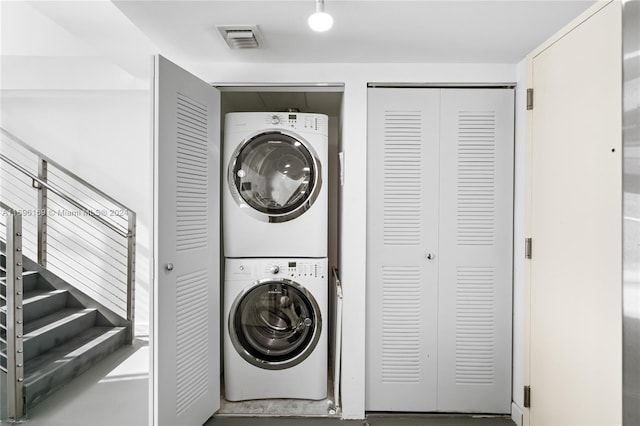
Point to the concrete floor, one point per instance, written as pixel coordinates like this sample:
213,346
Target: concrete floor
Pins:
113,393
372,420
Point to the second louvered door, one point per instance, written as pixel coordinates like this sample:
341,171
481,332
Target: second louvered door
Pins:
439,250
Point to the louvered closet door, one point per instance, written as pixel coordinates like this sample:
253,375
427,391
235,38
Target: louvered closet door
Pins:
186,311
475,256
439,250
402,221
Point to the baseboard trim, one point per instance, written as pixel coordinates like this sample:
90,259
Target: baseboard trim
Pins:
516,414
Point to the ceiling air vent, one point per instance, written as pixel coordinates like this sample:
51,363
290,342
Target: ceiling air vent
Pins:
241,36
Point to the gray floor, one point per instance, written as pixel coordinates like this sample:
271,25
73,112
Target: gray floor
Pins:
372,420
112,393
276,407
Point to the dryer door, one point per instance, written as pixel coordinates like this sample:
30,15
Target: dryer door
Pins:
275,175
275,324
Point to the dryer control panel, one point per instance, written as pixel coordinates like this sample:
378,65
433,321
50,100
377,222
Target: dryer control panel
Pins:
297,121
300,122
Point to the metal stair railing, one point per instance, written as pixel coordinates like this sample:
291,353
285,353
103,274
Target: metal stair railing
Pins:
11,326
73,229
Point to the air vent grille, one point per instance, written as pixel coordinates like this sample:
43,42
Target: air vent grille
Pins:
241,37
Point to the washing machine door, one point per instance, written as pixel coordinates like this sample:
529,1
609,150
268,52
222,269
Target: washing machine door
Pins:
274,176
275,324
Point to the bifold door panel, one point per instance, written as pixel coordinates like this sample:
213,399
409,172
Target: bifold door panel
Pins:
402,217
475,250
439,260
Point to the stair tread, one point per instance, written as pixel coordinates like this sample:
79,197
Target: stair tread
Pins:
56,319
65,353
36,295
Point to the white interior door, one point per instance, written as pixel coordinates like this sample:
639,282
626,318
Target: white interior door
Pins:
402,271
575,283
185,334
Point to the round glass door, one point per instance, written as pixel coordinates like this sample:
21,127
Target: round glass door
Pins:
275,324
276,174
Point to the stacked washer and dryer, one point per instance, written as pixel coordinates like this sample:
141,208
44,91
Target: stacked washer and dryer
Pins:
275,224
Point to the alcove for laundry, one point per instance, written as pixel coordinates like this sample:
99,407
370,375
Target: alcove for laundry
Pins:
291,100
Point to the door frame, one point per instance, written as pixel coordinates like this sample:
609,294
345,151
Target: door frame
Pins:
630,211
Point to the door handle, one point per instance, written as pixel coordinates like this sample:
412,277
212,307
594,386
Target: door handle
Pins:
169,267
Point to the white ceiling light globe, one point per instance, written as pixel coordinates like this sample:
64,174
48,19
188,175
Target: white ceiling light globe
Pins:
320,21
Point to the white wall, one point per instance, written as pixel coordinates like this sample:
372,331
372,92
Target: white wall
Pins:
103,137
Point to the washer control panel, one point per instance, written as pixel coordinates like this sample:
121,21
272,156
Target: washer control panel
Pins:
290,268
287,268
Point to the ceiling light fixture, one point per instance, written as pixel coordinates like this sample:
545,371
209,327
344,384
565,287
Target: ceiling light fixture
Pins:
321,20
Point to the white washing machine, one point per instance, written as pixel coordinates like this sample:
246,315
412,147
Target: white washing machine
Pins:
275,332
275,201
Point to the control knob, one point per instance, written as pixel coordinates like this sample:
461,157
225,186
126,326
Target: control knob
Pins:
275,269
275,119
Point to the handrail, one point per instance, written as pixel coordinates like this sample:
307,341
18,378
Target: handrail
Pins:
68,199
12,306
63,169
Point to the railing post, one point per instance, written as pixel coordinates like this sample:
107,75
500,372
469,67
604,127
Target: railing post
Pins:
42,213
15,356
131,273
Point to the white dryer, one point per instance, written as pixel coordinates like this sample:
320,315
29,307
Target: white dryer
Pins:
275,201
275,333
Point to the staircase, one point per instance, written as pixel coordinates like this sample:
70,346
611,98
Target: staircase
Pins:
73,255
65,331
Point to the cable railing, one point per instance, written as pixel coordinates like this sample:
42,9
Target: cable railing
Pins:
69,226
11,321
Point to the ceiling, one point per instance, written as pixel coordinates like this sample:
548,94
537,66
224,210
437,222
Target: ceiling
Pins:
448,31
100,44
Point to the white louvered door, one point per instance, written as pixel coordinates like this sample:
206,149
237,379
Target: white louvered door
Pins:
439,252
475,255
402,220
185,335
